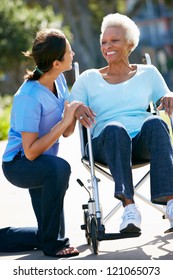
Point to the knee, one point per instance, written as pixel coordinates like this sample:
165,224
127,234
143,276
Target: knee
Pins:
58,175
154,123
116,130
59,166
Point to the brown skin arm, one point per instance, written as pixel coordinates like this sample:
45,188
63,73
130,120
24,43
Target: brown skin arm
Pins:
34,146
166,103
70,129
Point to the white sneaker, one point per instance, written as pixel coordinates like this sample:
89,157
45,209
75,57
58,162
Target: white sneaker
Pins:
131,219
169,211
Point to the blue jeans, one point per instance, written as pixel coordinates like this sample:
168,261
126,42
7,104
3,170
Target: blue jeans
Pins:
19,239
117,150
47,179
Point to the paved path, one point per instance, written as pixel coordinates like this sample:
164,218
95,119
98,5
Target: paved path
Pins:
153,244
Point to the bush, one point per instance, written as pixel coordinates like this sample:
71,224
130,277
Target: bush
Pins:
5,108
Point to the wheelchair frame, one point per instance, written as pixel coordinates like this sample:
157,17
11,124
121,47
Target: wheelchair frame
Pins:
93,221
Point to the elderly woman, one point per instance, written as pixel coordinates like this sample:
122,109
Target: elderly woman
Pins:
122,129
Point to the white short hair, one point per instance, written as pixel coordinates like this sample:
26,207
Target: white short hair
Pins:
131,30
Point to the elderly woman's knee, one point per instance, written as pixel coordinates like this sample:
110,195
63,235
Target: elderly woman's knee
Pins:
154,122
116,129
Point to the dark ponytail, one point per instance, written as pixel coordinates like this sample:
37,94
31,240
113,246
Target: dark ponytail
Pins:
49,45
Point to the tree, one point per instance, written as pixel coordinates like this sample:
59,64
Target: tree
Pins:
84,18
80,20
19,24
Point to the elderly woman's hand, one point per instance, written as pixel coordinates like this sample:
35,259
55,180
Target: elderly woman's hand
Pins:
166,103
85,115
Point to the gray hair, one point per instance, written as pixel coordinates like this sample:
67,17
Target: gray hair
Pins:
132,32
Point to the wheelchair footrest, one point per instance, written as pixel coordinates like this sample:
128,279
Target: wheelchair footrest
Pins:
83,227
169,230
112,236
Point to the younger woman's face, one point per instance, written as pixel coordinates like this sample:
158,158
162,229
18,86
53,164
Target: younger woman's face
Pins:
68,57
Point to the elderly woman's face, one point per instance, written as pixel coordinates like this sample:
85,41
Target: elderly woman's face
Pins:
114,45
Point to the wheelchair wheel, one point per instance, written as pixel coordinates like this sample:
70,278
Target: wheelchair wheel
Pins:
94,232
86,223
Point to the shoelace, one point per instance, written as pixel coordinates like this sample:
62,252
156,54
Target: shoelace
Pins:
129,215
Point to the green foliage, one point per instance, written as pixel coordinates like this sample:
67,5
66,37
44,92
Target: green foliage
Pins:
169,3
5,108
19,24
99,9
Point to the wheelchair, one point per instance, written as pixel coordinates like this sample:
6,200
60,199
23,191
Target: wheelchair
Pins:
94,222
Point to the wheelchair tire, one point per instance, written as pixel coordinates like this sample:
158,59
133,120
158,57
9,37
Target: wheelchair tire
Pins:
94,233
87,225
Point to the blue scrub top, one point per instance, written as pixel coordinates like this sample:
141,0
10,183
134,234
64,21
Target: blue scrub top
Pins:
35,109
